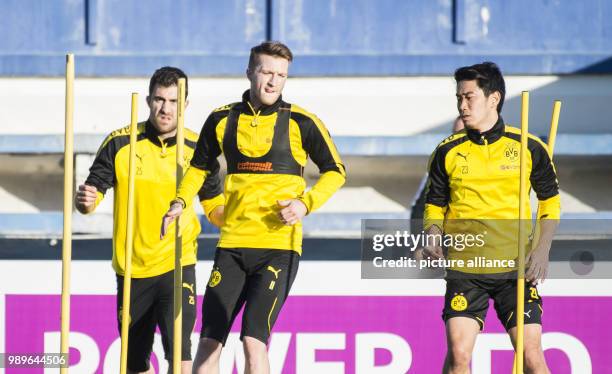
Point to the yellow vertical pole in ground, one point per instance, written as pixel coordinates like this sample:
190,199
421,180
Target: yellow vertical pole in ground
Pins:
552,137
129,241
522,238
178,248
67,234
554,123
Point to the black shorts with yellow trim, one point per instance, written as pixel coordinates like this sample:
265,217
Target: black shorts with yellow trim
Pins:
467,295
152,305
258,279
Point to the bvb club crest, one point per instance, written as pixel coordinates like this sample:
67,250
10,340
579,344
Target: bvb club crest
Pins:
215,278
511,152
459,303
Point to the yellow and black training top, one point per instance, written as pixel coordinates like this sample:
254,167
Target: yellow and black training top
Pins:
266,153
155,186
474,186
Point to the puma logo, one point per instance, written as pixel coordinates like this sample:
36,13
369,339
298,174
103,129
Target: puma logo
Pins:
139,157
527,313
189,287
462,155
274,271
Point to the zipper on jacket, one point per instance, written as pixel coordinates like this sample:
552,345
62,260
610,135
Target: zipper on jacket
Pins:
254,123
486,144
163,147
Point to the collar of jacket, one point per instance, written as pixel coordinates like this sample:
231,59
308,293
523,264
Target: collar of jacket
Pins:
491,135
265,110
152,134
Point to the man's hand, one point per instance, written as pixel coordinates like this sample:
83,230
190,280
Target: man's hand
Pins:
292,211
434,250
85,200
176,209
537,264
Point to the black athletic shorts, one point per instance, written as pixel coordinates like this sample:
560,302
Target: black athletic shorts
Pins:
152,304
260,279
468,296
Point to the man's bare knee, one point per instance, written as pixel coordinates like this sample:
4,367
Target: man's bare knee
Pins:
534,359
461,335
256,355
207,356
459,357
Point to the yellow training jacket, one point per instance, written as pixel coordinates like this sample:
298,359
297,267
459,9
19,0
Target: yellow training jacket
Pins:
265,154
155,186
473,187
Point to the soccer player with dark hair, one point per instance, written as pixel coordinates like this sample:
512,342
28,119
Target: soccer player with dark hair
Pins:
266,142
474,182
152,289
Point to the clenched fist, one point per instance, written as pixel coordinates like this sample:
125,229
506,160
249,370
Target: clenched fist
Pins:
85,200
292,211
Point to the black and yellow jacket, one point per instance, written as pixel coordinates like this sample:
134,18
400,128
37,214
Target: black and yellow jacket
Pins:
155,185
475,177
265,153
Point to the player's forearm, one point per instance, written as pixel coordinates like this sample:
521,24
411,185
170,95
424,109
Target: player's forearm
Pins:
547,232
191,184
327,185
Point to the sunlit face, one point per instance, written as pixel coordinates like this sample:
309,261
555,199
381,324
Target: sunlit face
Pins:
268,78
163,104
477,111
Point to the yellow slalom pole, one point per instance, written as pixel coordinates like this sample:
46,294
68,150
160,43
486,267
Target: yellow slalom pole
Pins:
178,247
523,199
129,241
554,123
67,234
552,136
